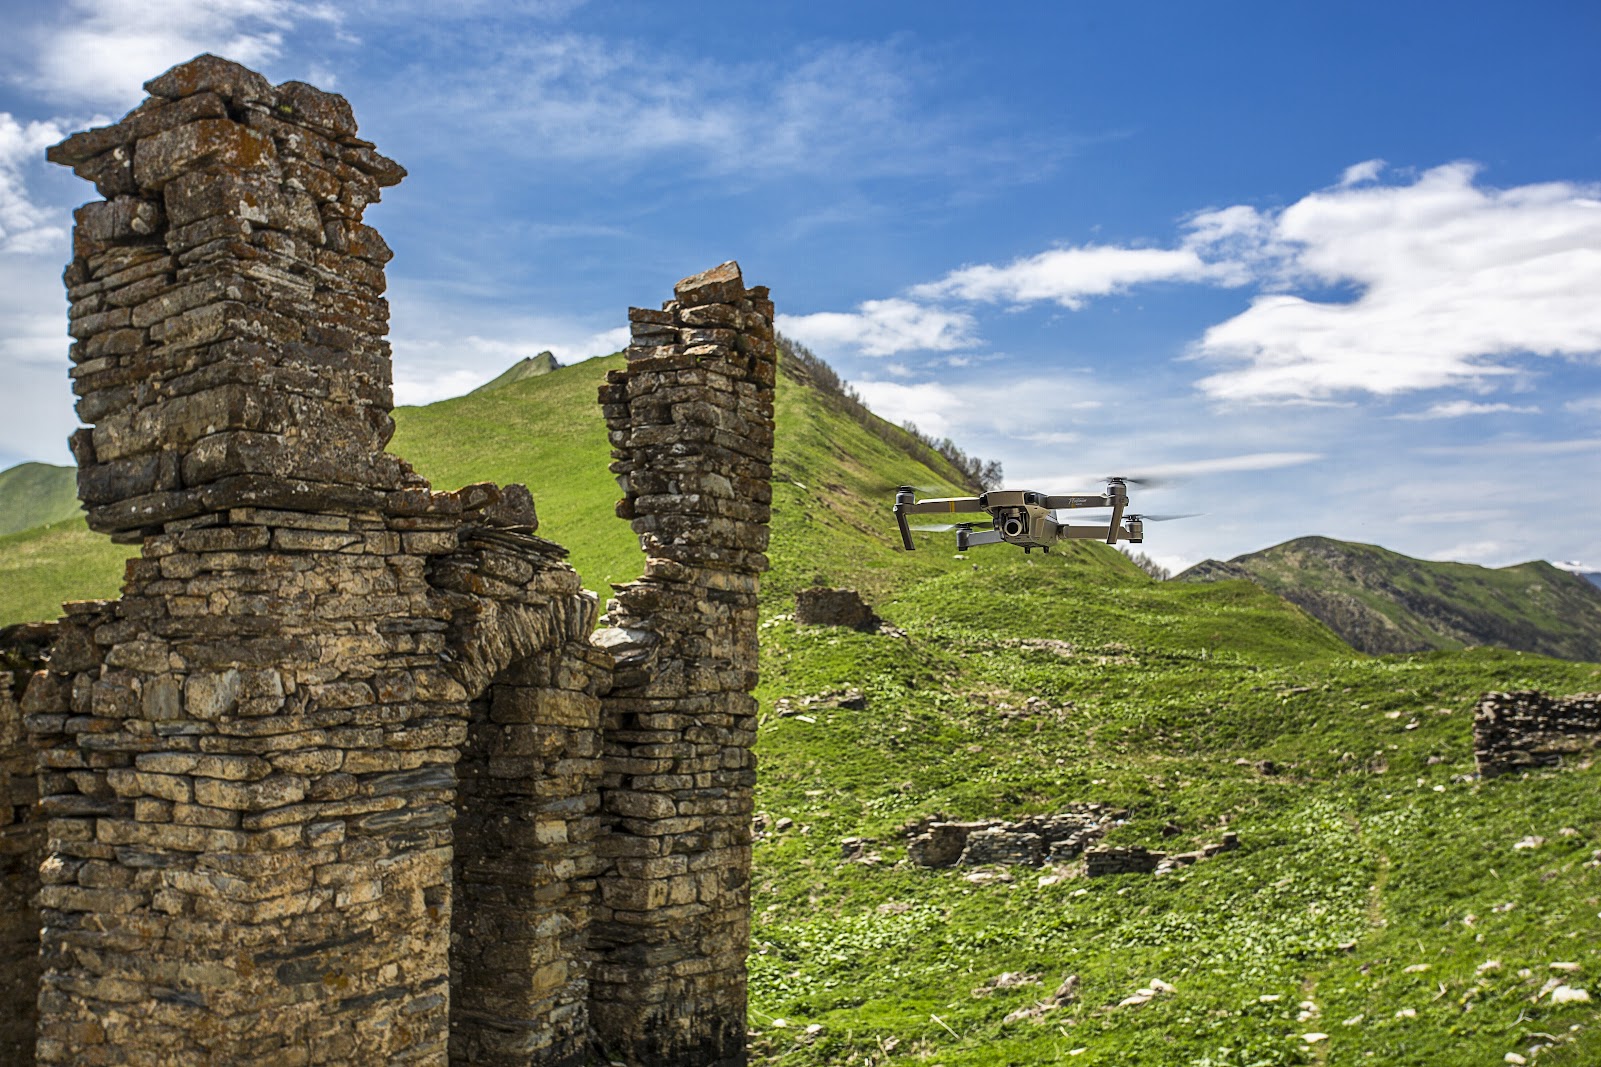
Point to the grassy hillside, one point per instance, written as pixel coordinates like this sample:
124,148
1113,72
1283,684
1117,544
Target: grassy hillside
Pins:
1381,601
36,494
42,567
1375,913
834,478
836,469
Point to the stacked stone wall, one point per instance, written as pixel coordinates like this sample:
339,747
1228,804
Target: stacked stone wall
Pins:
691,424
1524,729
22,840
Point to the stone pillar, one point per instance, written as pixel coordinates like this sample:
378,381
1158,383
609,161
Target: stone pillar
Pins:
691,424
249,760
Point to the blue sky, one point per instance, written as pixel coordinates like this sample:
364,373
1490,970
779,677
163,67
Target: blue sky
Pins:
1338,266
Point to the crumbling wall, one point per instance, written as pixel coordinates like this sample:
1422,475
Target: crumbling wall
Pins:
1524,729
258,827
691,424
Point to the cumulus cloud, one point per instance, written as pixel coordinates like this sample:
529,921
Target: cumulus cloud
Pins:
1456,409
100,52
1454,280
883,328
24,225
1066,276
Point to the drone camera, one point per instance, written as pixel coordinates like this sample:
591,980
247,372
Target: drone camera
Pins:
1013,523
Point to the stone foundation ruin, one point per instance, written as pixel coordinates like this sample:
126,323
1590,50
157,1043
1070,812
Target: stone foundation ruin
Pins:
1526,729
347,774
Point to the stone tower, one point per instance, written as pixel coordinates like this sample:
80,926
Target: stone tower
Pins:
337,780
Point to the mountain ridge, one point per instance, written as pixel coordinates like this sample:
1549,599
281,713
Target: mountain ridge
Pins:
1381,601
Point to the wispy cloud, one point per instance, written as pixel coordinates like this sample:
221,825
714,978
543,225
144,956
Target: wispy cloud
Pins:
1012,407
1456,409
1502,447
883,328
841,110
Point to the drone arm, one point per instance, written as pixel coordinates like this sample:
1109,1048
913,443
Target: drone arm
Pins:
1115,527
906,532
1102,500
1110,534
944,505
906,505
967,538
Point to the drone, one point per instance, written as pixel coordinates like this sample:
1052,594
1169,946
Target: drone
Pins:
1025,518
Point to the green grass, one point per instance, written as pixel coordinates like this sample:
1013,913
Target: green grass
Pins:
42,567
1360,857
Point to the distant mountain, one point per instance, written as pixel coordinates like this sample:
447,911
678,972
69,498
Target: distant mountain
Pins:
1381,601
522,370
33,494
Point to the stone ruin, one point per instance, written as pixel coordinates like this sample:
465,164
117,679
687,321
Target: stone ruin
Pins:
347,774
1040,841
818,606
1033,841
1100,862
1526,729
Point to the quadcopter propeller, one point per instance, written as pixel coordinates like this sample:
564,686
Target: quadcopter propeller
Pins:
1133,515
1147,481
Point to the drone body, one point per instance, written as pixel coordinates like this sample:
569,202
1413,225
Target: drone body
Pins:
1023,517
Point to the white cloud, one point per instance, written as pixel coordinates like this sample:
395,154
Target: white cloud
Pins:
33,353
1454,281
1456,409
1361,173
24,225
883,328
1584,404
1029,409
1067,276
100,52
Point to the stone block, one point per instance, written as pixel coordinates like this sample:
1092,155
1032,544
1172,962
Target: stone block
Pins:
218,142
